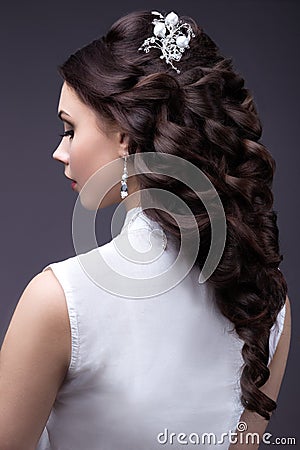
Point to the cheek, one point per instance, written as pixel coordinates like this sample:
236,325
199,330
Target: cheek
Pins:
75,160
85,158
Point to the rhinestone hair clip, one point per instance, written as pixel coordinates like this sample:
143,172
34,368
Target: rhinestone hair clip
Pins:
169,37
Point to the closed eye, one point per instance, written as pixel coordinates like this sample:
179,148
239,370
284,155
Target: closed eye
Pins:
68,133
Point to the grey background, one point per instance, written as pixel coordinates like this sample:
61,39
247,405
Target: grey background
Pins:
36,200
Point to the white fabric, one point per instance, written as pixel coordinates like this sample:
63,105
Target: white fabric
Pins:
143,365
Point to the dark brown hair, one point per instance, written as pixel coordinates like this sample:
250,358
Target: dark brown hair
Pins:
207,116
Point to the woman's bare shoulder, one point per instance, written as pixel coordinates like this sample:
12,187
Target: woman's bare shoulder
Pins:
38,336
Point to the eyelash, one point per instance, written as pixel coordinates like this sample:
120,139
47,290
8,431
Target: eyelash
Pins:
68,133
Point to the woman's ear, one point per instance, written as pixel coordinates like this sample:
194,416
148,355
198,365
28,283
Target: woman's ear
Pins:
123,141
123,137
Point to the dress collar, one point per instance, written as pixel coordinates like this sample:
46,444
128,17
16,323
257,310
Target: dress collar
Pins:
136,219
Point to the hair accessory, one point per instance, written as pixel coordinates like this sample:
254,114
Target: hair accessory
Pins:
169,37
124,189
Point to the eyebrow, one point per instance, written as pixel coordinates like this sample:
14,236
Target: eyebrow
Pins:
62,112
65,120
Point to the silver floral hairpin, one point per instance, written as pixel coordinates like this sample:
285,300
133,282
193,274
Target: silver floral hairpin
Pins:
169,37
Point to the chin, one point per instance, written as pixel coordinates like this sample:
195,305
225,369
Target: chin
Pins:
92,201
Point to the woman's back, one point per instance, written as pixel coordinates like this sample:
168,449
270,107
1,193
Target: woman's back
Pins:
144,368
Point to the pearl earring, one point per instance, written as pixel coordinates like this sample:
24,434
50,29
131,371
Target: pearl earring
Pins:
124,188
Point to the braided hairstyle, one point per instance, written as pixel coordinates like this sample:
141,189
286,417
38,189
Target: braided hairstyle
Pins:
207,116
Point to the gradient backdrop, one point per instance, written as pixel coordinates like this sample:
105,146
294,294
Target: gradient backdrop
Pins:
36,199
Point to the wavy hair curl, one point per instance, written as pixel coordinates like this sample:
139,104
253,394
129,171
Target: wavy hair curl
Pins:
206,115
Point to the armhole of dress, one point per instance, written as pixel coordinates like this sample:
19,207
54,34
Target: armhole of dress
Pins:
73,318
275,332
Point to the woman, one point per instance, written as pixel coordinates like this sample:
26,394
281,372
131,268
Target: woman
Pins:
116,350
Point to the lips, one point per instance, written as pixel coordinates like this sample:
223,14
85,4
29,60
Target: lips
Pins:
70,178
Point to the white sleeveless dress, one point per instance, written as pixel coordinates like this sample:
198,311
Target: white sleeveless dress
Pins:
146,372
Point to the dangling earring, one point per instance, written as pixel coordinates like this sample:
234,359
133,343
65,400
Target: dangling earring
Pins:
124,189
